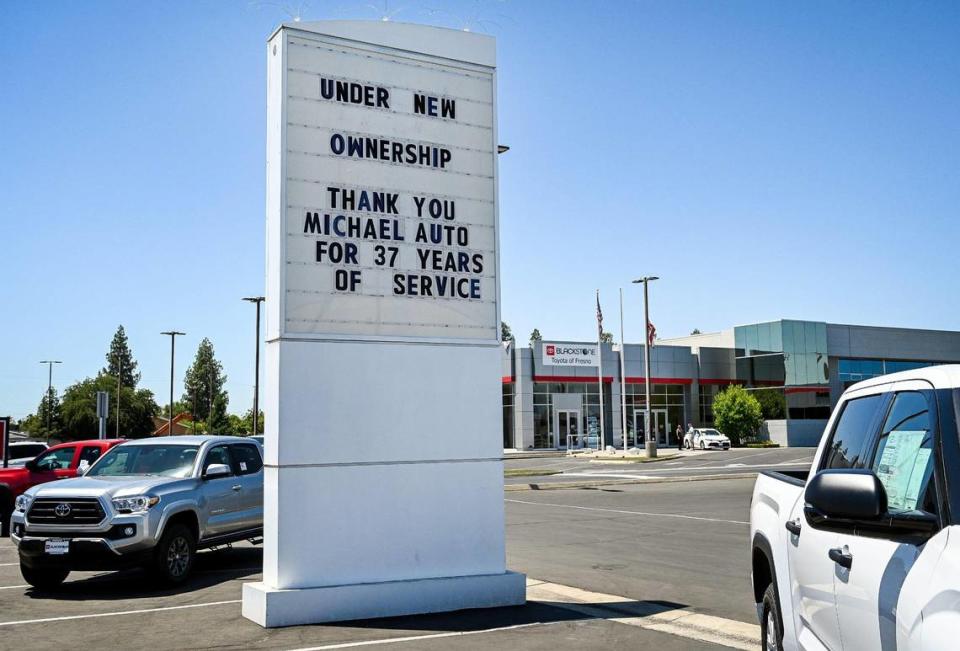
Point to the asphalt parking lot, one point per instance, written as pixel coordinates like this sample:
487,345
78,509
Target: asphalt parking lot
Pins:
690,464
663,565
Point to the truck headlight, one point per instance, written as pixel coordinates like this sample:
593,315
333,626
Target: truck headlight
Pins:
22,503
137,504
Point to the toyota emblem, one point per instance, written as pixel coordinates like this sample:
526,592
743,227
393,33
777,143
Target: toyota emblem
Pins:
62,510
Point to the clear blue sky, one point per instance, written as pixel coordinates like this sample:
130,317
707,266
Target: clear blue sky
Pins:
766,159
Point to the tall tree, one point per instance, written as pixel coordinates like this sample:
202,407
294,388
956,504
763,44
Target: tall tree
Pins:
204,382
219,422
505,333
47,421
535,335
120,361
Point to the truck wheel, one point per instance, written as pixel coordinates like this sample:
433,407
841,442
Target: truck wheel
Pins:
173,558
770,634
44,578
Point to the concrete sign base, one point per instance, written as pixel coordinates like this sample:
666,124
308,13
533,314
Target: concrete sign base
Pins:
271,607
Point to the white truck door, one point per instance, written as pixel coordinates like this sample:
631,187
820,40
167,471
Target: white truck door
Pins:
813,573
902,456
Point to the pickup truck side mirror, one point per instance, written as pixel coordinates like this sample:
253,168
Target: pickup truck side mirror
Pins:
855,501
215,470
31,465
849,494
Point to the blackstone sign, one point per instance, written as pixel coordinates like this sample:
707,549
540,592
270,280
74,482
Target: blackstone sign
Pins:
382,280
570,355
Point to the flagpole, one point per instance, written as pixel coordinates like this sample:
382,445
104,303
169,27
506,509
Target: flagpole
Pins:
623,380
650,442
600,370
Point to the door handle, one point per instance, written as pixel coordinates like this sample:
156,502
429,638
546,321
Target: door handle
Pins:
793,526
841,557
236,487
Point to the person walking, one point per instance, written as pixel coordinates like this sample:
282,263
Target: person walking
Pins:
679,436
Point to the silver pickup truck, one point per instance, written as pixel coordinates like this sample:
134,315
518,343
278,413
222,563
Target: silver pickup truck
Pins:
149,503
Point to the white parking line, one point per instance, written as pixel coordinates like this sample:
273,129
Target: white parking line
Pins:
115,614
657,515
417,638
13,587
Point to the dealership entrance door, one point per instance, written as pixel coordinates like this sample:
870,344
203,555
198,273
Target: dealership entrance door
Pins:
660,426
568,429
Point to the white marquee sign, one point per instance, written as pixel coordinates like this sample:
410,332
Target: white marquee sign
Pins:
389,196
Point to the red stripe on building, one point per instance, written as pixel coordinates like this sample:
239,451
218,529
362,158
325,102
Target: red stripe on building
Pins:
607,379
506,379
807,390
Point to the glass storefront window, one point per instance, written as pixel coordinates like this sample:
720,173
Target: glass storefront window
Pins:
508,439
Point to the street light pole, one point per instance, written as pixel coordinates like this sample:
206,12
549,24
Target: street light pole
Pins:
173,334
651,443
49,363
256,372
119,382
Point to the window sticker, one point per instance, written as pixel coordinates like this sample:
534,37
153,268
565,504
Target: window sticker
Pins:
902,468
243,466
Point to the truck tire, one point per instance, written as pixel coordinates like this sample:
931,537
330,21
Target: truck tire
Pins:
771,637
174,555
44,578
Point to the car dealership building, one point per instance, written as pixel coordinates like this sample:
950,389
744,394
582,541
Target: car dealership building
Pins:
797,369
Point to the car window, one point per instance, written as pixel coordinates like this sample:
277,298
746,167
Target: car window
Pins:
852,432
58,459
219,454
903,459
246,458
88,454
132,459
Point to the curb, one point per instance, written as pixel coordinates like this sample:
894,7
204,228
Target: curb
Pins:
620,482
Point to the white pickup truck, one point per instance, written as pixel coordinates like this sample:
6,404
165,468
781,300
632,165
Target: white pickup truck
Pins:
863,552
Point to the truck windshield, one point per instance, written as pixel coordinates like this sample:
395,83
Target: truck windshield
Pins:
132,459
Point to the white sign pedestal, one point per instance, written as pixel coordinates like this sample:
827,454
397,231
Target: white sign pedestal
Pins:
383,477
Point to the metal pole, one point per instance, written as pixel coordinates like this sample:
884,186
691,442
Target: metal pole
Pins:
49,363
623,380
600,378
256,377
173,338
256,372
119,382
49,389
651,444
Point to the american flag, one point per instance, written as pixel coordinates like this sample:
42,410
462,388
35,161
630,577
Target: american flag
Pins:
599,317
651,333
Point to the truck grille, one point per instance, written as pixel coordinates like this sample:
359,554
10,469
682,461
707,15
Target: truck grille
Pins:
80,511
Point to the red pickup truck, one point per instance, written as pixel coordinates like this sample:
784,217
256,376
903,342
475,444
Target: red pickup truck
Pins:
57,462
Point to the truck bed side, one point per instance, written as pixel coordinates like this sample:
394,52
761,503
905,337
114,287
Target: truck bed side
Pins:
774,497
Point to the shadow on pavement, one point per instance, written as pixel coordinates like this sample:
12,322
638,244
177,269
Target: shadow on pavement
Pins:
534,612
211,568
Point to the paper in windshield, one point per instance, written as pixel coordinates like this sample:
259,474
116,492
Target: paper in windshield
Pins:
902,468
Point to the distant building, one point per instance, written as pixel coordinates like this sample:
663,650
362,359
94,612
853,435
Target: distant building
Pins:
798,368
182,424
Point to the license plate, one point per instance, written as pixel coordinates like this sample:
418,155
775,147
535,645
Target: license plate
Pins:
56,546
